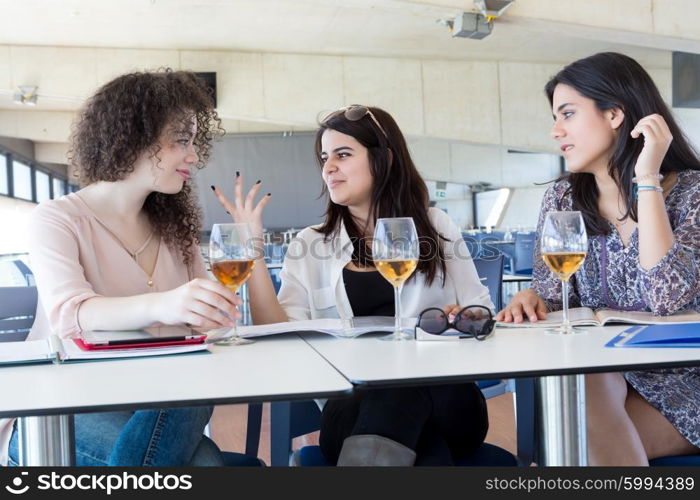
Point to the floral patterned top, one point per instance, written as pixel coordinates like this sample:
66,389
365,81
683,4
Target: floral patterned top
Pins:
611,277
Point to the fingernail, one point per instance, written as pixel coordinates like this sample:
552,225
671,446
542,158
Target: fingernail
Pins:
228,212
213,188
269,194
259,181
238,174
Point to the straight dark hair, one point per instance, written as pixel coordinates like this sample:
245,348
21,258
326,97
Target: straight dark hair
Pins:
398,190
616,81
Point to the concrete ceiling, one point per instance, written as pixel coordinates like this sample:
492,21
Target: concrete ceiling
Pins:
387,28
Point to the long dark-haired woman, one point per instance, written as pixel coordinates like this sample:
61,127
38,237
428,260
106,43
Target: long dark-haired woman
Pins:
122,253
328,273
637,182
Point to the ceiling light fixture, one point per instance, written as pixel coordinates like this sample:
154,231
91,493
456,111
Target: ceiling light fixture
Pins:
477,25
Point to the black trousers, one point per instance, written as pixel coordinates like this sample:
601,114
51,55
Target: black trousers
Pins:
440,423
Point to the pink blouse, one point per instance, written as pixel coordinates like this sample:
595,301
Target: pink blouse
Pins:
74,257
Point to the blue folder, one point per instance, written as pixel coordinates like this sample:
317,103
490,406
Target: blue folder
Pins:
667,335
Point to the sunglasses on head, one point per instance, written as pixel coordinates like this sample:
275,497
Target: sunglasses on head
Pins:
354,113
471,322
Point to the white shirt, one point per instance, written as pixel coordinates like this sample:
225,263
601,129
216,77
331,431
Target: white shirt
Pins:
312,276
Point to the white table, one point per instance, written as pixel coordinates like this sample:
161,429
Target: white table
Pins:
509,353
273,368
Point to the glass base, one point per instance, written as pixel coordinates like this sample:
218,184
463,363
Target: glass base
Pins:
565,330
234,341
402,335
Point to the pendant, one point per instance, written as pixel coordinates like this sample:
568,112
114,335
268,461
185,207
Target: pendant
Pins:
150,283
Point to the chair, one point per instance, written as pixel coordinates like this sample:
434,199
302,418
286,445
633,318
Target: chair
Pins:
293,419
528,430
491,273
17,311
524,249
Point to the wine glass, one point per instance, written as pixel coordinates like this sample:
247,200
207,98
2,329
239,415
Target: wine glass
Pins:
395,253
563,247
232,258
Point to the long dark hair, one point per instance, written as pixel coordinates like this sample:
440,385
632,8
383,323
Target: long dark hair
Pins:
616,81
398,190
126,118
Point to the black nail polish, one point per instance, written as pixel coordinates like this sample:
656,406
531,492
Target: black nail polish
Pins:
269,194
228,212
238,174
212,188
259,181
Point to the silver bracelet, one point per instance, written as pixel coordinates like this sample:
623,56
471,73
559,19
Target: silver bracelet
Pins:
640,189
657,177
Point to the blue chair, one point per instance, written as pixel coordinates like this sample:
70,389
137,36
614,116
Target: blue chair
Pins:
490,272
524,249
17,311
528,430
293,419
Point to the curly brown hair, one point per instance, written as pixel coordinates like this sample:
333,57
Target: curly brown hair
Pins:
126,118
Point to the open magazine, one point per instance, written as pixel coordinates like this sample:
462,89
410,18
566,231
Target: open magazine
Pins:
584,316
346,328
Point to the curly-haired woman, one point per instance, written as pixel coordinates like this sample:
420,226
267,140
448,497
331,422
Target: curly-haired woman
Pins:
127,241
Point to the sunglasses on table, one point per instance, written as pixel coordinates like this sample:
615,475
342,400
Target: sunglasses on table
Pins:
354,113
471,322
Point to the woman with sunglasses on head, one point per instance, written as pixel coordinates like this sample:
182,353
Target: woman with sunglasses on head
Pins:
328,272
122,253
636,181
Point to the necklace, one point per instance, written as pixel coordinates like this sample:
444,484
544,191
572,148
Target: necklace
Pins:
133,254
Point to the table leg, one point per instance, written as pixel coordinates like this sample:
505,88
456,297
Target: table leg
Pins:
561,407
46,441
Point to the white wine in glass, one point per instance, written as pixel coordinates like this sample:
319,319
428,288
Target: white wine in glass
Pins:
563,246
395,252
232,259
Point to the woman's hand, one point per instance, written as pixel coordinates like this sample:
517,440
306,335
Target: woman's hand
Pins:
245,209
657,139
525,304
201,303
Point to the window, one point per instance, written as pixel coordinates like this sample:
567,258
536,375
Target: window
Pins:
490,205
22,180
43,186
4,189
59,187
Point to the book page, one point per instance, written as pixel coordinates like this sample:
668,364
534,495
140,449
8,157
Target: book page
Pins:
646,318
578,316
332,326
28,351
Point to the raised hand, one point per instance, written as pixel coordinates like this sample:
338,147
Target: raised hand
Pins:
657,139
245,209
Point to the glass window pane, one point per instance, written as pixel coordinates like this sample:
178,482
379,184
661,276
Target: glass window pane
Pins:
22,180
59,187
42,186
3,174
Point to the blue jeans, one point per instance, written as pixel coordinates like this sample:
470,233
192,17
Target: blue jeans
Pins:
160,438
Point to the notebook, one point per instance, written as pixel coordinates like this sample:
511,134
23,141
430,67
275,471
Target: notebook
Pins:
56,350
672,335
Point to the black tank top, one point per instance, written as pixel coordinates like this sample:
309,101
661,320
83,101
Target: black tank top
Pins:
369,293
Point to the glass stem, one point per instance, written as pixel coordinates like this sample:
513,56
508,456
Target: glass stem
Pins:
565,303
397,310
